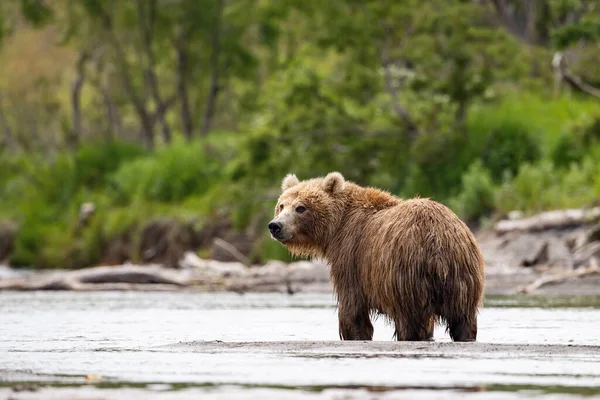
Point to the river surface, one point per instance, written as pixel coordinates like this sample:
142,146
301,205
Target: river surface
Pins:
225,345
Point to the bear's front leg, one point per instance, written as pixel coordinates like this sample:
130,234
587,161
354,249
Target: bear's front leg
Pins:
354,322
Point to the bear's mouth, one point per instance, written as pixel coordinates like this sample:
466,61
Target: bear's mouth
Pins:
281,237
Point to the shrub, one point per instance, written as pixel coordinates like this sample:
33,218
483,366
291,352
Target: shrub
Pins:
437,164
94,163
476,198
529,190
506,148
579,184
541,187
578,138
38,227
169,175
568,149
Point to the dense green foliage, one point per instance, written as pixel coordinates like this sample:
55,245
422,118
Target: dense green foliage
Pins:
194,111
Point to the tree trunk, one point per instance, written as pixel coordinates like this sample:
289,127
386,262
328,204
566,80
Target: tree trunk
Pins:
461,112
181,47
101,83
74,137
147,130
112,114
522,18
146,22
147,125
159,114
213,90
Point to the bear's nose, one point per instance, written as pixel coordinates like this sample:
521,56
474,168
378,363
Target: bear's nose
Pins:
275,227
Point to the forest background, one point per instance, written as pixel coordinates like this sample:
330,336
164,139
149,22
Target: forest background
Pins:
137,130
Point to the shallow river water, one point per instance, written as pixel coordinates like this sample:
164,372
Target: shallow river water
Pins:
225,345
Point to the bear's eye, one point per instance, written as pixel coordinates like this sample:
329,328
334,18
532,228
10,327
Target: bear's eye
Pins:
300,209
281,206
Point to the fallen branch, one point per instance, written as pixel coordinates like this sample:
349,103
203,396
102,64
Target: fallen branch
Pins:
549,220
228,247
560,277
541,257
562,73
585,253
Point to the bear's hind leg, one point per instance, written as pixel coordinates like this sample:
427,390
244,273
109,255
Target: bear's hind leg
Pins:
355,324
407,330
463,329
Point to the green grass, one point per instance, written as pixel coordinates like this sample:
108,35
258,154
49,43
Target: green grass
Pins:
547,119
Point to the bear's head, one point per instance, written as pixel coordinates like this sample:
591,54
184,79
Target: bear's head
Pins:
308,212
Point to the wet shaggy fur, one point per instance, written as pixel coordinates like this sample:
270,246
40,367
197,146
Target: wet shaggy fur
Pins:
412,260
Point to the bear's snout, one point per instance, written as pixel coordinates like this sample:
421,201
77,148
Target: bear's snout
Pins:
275,228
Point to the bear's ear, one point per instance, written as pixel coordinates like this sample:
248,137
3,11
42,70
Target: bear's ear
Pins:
289,181
333,182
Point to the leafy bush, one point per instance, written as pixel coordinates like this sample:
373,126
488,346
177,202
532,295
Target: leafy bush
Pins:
169,175
529,190
39,224
577,140
506,148
59,180
96,162
477,196
437,164
580,183
567,150
540,187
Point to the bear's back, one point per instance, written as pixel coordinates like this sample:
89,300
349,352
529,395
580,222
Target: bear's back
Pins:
419,251
418,235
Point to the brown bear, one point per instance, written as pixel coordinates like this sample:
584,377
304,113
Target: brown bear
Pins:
411,260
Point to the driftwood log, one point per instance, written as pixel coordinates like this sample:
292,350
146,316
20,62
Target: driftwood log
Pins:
194,274
99,278
560,277
557,219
